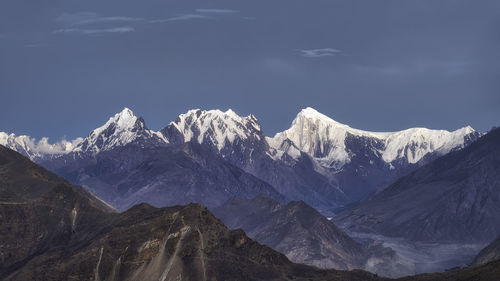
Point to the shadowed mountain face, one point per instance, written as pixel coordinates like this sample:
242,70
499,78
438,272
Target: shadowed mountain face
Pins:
295,229
39,211
488,254
305,236
456,198
160,175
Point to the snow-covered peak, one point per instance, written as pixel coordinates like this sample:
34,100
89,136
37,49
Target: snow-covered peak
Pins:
122,121
213,126
311,113
413,144
121,129
34,149
324,139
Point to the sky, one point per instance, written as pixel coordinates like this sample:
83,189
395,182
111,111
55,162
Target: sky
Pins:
66,66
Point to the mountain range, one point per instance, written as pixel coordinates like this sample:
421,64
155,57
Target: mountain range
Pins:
456,198
210,157
318,160
53,230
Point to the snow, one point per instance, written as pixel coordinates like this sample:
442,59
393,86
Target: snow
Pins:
324,139
216,126
121,129
425,141
311,132
31,148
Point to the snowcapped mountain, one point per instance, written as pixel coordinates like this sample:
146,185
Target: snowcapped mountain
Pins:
327,141
213,128
318,160
235,138
123,128
37,150
454,199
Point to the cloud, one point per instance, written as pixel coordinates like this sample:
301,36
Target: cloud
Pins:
108,19
202,14
317,53
72,18
182,17
216,11
84,18
121,29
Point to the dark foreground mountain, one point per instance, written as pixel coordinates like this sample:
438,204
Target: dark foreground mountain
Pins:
489,253
487,272
52,230
456,198
40,211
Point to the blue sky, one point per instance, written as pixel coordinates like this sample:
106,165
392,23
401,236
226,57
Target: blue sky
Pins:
66,66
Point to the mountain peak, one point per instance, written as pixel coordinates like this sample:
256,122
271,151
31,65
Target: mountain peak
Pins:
325,139
126,113
311,113
121,129
212,126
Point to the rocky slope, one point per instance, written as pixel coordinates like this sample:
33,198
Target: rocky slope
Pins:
456,198
295,229
489,254
305,236
39,211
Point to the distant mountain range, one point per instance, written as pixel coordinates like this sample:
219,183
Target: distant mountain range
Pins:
455,198
318,160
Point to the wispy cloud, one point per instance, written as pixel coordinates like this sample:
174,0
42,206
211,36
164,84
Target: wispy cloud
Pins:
108,19
318,53
200,14
181,18
84,18
121,29
216,11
